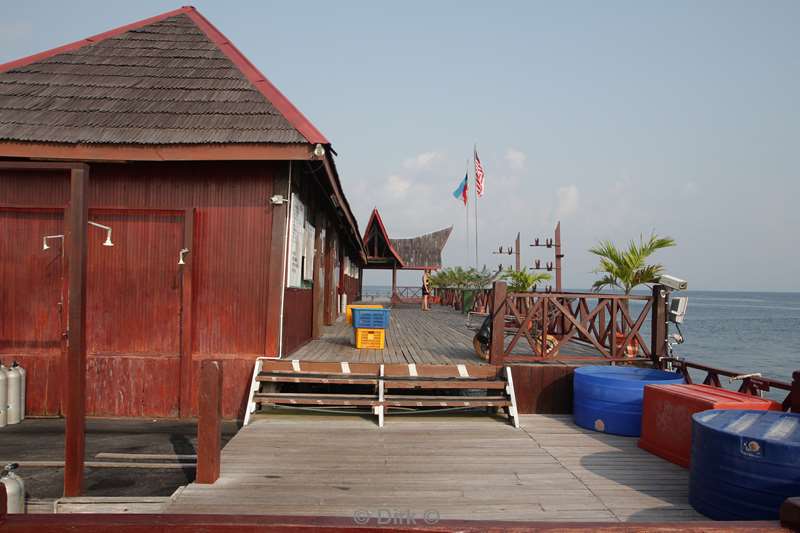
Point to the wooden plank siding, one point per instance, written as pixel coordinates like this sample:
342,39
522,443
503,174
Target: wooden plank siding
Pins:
135,302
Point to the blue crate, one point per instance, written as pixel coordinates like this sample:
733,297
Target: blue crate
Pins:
370,318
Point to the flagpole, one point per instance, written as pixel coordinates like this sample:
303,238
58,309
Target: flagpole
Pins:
475,151
466,204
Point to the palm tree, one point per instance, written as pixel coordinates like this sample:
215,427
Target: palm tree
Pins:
626,269
522,281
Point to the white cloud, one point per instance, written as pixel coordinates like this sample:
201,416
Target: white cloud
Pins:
567,203
397,186
516,159
422,161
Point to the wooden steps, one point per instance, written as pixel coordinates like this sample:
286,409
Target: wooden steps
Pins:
381,387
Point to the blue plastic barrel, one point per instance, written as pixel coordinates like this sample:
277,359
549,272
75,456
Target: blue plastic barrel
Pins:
609,398
744,463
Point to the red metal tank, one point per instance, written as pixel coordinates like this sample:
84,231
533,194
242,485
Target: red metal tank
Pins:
667,416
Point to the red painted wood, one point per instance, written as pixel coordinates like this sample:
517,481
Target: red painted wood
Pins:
209,425
31,282
297,321
75,245
134,325
543,389
187,307
278,249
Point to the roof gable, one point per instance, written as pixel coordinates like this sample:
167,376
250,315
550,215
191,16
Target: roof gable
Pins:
170,79
377,243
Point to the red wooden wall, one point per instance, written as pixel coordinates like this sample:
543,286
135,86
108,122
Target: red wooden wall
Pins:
136,323
543,389
297,311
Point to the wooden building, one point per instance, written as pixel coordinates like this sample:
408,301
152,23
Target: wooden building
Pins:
232,237
423,253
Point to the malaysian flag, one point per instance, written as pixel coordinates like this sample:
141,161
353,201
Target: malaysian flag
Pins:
478,174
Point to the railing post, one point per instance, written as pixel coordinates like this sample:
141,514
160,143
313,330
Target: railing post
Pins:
658,324
209,424
497,343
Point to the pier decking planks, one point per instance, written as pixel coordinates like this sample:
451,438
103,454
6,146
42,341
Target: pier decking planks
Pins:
462,467
438,336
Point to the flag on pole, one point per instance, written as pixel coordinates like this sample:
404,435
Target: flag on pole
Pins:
461,191
478,174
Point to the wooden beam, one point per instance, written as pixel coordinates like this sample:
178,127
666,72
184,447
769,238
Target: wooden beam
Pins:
185,398
658,324
317,280
127,152
276,263
497,344
75,405
209,424
327,300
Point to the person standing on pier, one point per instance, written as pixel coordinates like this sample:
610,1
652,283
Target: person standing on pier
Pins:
426,289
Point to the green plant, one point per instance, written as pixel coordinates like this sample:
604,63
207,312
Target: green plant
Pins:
460,278
523,280
627,268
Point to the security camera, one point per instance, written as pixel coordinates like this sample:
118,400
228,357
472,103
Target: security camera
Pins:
673,283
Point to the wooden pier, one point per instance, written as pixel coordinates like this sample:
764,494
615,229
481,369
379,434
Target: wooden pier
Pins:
451,467
438,336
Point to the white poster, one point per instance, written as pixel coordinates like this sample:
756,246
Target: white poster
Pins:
308,254
296,241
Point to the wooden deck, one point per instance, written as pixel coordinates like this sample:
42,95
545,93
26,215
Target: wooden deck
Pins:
438,336
459,467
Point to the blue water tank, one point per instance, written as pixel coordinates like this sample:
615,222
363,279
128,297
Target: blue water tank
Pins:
609,398
744,463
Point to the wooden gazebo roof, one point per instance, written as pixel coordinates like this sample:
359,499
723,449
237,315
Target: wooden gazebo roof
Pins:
423,252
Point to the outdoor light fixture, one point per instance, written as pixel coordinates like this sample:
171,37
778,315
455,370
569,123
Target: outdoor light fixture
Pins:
319,150
108,233
44,240
181,255
278,199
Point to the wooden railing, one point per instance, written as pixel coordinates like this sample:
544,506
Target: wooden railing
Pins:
551,325
454,297
752,383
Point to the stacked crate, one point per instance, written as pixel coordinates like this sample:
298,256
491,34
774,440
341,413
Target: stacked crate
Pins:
369,327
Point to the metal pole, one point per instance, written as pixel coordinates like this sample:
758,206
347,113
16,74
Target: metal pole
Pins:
517,254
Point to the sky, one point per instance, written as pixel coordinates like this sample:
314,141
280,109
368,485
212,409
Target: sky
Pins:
616,118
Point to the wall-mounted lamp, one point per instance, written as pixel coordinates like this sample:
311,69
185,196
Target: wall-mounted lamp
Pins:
181,255
108,232
44,240
278,199
319,150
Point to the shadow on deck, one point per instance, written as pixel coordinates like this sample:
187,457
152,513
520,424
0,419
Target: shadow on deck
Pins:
438,336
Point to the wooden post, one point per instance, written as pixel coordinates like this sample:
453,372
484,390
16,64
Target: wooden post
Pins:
3,503
186,316
498,310
278,257
658,324
517,255
394,281
209,424
75,404
790,513
329,295
317,281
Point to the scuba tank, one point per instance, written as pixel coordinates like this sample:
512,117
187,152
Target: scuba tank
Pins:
22,389
14,392
15,489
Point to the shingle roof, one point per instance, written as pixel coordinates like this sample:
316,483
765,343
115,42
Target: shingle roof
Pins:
423,252
172,80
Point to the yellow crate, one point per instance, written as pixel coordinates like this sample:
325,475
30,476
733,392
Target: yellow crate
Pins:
370,339
349,310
